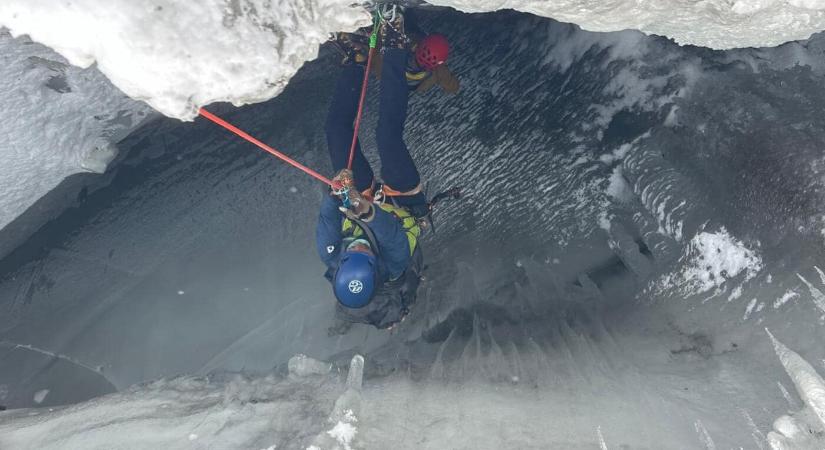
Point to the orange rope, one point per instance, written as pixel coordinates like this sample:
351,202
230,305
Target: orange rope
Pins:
264,147
360,108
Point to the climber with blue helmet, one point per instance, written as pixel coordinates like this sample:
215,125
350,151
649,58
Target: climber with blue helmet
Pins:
372,256
368,235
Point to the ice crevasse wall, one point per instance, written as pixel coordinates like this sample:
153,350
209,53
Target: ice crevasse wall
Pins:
63,117
120,63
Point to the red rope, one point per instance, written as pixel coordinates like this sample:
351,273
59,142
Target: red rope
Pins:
265,147
360,108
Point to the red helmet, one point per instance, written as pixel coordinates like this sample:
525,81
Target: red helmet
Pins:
432,51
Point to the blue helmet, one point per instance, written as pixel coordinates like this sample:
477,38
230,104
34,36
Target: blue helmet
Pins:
354,281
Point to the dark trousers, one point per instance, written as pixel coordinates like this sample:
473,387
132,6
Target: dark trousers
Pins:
398,170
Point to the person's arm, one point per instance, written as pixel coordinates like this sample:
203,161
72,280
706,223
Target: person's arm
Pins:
392,242
328,232
446,79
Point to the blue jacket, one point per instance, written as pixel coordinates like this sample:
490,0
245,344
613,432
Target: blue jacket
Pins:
391,236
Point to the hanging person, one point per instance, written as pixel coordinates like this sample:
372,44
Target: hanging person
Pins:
371,250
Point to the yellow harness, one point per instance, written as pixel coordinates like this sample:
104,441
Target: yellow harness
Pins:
408,222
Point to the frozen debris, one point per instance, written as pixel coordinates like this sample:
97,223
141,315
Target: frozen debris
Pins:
809,385
817,295
303,366
786,297
794,432
40,395
193,436
181,292
343,433
345,411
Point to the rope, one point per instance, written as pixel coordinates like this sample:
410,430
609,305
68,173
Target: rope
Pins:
373,42
265,147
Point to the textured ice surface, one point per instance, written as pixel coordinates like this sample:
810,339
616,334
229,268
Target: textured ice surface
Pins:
56,120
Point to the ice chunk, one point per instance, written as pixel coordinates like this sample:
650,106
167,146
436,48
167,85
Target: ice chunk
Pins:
817,295
302,366
40,395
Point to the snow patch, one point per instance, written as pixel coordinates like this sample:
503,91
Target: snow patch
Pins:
784,299
749,309
711,259
736,293
618,188
344,433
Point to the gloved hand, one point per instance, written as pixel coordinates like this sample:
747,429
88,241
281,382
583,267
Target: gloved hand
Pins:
360,208
343,179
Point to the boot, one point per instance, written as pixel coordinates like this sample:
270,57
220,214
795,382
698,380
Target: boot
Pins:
353,46
392,27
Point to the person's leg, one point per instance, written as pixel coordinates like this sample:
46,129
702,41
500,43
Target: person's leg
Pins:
339,126
397,167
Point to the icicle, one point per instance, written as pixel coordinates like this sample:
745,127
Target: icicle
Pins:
791,402
809,385
437,371
821,275
758,436
704,436
818,296
602,444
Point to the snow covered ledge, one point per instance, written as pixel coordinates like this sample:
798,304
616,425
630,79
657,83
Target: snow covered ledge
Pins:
718,24
177,55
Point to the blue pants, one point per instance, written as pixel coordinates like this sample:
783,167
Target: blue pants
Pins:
398,170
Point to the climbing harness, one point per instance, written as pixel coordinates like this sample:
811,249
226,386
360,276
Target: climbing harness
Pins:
373,42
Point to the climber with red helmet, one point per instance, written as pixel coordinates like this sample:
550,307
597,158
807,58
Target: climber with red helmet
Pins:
427,61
